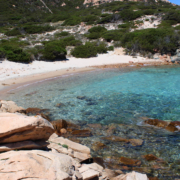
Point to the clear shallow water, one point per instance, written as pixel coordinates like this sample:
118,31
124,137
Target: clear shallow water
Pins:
117,96
108,96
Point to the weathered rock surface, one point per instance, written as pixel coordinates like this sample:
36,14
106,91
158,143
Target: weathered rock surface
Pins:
35,164
9,106
131,176
72,145
18,127
23,145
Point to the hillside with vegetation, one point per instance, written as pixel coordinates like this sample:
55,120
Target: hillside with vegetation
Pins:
52,30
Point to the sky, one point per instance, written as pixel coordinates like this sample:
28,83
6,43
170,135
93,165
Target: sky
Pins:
175,1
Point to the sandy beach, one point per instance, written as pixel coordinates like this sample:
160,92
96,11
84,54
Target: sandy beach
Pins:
13,74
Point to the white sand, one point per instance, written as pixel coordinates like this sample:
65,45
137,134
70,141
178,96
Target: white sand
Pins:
14,70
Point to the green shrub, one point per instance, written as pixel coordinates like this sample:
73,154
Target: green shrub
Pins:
163,40
2,53
96,32
13,32
89,50
111,48
105,20
172,16
112,35
98,29
63,33
70,41
177,27
52,51
126,25
166,23
90,18
101,48
149,11
128,15
33,29
94,35
65,146
85,51
16,54
72,21
104,15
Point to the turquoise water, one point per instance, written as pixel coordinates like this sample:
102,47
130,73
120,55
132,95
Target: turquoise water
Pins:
106,96
120,96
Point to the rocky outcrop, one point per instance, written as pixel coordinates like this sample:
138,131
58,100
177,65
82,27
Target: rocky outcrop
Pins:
96,2
71,148
18,127
9,106
132,176
36,164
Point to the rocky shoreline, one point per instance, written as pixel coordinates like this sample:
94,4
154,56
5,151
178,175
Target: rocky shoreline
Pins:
32,147
24,137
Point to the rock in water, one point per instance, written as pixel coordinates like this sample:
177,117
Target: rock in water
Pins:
58,125
9,106
131,176
18,127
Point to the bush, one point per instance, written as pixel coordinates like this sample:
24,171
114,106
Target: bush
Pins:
2,53
163,40
16,54
88,50
128,15
149,11
33,29
172,16
13,32
52,51
96,32
112,35
94,35
101,48
63,33
97,29
72,21
111,48
90,18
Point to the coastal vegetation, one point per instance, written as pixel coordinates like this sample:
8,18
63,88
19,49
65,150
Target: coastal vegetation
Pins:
46,35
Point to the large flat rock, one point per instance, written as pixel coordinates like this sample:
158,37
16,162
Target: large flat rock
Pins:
72,145
18,127
35,164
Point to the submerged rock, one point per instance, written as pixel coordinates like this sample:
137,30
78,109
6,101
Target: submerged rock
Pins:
130,162
82,133
58,125
157,123
97,146
150,157
173,126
